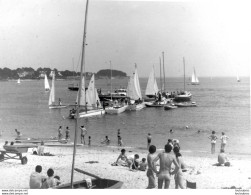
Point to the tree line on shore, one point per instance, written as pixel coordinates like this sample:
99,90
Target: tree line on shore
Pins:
30,73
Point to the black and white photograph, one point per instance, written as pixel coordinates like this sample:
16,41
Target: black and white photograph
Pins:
125,94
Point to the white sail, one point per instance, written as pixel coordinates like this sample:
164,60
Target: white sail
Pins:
136,83
92,94
46,83
238,78
52,92
18,81
194,79
82,99
152,87
131,90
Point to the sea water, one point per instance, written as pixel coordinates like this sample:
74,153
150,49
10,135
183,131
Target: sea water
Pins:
223,106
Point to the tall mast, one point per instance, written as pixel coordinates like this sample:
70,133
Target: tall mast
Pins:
184,74
164,72
111,78
160,75
79,94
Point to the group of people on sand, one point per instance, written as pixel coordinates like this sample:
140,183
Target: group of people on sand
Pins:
169,165
40,181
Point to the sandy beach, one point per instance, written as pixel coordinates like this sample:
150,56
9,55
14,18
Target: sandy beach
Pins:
98,160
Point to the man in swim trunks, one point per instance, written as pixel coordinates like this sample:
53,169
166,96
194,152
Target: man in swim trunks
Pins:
83,133
149,140
60,134
164,173
150,173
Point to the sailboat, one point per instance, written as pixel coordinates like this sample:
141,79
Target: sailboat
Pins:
46,83
89,101
194,79
115,107
238,78
18,81
152,87
134,92
99,183
52,104
183,96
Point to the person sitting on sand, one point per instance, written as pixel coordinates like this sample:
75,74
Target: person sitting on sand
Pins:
11,143
166,160
50,181
150,173
143,165
133,162
57,179
213,138
222,159
106,141
178,177
122,159
36,178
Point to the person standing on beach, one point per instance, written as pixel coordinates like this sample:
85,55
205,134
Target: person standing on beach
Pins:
150,172
224,139
149,140
67,133
60,134
178,177
213,138
165,160
83,133
36,178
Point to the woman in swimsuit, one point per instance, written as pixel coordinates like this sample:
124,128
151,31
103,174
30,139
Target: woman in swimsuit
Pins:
213,138
179,178
164,173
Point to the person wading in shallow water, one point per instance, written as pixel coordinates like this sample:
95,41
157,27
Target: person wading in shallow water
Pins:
149,140
83,133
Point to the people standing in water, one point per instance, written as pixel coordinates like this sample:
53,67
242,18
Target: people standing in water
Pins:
89,141
106,141
120,142
165,160
60,134
224,139
213,139
59,102
118,135
67,133
150,172
149,140
83,133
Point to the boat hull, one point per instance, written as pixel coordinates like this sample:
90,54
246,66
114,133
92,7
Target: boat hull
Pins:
115,110
96,184
185,105
135,107
57,106
183,98
91,113
169,107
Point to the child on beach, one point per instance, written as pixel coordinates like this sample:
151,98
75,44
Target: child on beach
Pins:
150,173
143,165
106,141
133,162
67,133
50,181
222,159
213,138
89,141
60,134
40,149
224,139
36,178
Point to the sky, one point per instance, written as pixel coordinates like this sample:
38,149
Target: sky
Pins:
212,36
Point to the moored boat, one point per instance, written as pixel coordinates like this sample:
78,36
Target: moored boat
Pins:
186,104
169,107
